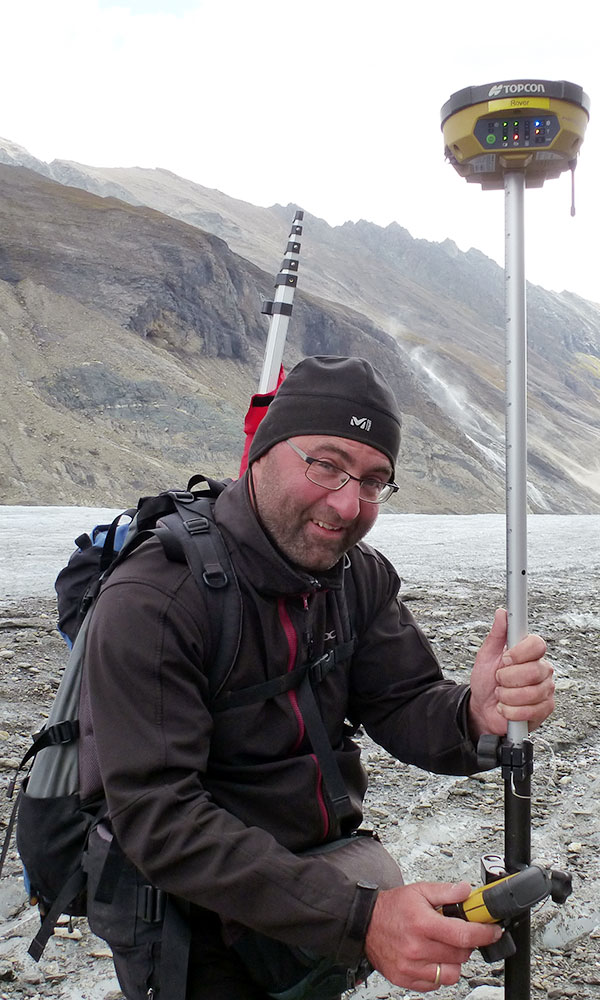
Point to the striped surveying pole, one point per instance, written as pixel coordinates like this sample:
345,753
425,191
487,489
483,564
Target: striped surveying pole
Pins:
280,311
280,308
511,135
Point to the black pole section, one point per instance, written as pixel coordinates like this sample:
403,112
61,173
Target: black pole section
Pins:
517,855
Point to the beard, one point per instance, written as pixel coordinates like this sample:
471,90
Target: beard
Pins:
311,535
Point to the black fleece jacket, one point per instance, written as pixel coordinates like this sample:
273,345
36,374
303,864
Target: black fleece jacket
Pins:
212,807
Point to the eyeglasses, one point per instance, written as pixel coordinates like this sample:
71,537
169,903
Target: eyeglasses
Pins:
325,474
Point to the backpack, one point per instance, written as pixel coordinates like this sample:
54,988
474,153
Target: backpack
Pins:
52,822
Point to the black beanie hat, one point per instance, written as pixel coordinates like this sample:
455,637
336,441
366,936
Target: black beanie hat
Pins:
342,397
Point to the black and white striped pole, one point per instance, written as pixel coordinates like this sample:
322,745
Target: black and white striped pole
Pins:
280,311
280,308
512,135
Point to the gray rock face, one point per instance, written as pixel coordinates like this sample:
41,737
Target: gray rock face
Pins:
132,340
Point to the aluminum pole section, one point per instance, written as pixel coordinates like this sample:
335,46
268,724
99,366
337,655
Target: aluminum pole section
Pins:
516,412
280,309
517,808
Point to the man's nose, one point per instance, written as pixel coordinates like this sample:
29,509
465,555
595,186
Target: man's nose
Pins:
345,501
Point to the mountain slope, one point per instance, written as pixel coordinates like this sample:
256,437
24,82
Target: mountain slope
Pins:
445,307
164,334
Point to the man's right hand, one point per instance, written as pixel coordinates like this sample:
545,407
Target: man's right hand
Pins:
408,939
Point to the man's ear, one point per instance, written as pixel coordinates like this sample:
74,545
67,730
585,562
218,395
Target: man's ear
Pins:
256,471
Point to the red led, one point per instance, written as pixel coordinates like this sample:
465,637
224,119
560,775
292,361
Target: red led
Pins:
516,137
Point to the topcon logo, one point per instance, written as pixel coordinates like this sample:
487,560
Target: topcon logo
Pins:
516,88
362,422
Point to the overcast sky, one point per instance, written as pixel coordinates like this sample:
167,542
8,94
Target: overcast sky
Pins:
332,105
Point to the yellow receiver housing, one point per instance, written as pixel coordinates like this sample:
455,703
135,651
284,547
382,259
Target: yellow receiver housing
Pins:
533,126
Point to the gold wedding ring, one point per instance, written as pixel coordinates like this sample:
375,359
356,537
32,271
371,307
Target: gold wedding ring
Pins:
438,975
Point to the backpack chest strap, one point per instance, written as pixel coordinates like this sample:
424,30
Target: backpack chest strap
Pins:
315,671
304,680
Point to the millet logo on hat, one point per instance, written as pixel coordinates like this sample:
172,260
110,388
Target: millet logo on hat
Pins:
363,422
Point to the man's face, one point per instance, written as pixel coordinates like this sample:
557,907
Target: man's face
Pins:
311,525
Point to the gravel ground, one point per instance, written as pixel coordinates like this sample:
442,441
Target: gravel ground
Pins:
436,827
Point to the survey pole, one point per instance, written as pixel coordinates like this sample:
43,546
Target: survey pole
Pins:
516,407
280,308
515,134
517,794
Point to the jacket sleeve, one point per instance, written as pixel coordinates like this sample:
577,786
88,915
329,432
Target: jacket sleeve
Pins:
147,690
398,691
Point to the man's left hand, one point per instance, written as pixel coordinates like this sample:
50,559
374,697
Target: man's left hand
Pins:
514,685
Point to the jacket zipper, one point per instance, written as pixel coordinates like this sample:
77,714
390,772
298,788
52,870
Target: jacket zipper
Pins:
292,640
308,636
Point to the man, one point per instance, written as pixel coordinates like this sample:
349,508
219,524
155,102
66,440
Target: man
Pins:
218,808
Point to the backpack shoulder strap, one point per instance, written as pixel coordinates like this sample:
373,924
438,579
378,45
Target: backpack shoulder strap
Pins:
194,530
183,522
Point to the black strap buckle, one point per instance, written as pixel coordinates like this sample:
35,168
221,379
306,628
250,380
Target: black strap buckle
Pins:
152,904
319,668
64,732
183,496
196,525
215,576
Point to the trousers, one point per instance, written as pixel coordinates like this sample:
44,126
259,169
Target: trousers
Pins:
214,971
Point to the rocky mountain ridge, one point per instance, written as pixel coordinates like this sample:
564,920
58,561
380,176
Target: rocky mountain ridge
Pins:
133,339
